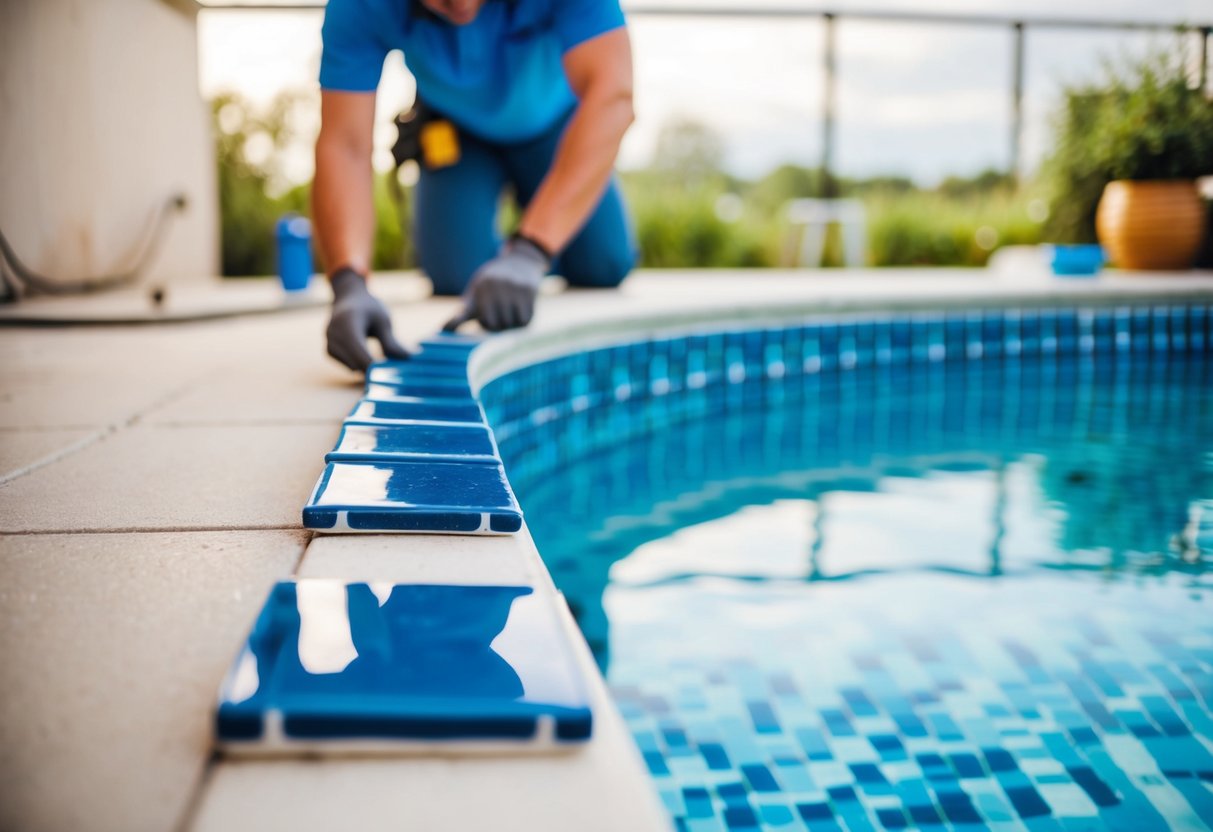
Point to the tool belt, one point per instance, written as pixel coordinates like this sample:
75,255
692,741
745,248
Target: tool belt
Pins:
426,137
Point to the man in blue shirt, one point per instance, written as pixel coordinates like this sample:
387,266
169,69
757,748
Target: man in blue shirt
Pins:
535,94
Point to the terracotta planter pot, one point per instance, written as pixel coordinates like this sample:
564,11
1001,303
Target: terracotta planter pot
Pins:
1150,225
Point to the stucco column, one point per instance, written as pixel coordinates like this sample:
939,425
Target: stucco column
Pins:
102,122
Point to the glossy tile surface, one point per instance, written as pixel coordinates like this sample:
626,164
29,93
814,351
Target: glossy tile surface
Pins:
416,442
467,498
442,356
451,342
340,664
422,372
439,364
412,409
395,382
416,391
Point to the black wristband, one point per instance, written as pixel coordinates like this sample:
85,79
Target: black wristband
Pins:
540,247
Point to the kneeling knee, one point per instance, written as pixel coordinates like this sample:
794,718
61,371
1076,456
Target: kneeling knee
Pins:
606,271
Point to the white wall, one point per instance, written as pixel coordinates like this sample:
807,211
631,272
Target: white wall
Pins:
100,121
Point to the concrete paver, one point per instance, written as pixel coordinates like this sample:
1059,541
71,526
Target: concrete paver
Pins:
148,477
113,646
507,560
90,378
319,391
22,448
269,369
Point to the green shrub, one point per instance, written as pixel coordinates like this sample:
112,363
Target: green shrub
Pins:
679,228
932,228
253,195
1142,120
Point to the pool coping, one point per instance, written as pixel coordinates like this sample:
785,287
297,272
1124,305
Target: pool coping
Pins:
608,326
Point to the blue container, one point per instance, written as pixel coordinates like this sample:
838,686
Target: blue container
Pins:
294,235
1077,260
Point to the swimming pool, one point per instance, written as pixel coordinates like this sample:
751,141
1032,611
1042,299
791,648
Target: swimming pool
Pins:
885,571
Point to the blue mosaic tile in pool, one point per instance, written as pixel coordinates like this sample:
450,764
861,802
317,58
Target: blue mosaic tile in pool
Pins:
930,570
333,667
465,498
415,443
413,409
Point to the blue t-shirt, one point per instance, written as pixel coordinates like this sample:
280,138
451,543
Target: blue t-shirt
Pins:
500,77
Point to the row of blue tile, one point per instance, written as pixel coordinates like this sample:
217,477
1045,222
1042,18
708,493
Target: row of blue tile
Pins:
415,454
733,356
594,401
335,666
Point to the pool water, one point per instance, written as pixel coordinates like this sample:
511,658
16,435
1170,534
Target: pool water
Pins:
946,594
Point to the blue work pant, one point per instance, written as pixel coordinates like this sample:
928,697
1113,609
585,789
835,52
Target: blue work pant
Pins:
456,229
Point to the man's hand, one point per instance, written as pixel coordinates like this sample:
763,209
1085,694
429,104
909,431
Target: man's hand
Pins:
357,315
501,295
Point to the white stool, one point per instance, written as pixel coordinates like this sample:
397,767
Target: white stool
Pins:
815,215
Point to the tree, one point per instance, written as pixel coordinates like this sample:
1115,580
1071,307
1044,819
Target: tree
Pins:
689,151
248,152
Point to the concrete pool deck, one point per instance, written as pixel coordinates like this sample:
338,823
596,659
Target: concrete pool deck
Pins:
151,481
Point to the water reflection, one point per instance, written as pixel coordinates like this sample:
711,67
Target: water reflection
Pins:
983,469
910,596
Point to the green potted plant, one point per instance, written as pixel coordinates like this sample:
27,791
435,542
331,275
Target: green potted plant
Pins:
1139,139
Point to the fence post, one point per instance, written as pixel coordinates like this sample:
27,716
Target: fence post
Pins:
1205,33
1017,100
828,189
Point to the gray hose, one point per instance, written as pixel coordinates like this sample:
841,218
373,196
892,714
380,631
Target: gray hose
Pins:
20,280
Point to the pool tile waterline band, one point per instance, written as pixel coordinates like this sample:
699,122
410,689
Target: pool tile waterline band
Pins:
716,362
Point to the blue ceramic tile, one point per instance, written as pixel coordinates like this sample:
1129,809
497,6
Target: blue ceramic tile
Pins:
418,367
467,498
413,409
415,442
425,388
452,341
388,382
331,666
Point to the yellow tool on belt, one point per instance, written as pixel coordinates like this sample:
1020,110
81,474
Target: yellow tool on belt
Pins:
439,144
427,137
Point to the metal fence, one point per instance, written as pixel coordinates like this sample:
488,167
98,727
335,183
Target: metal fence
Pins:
1016,26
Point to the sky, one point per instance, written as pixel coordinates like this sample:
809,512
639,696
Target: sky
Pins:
924,101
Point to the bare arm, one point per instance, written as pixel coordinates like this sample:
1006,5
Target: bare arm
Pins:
600,74
342,206
344,214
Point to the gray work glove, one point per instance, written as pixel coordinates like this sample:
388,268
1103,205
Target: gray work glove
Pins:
501,294
357,315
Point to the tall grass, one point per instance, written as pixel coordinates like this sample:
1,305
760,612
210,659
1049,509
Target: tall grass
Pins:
926,228
686,228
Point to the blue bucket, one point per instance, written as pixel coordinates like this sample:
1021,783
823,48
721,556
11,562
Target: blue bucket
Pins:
1077,260
294,234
